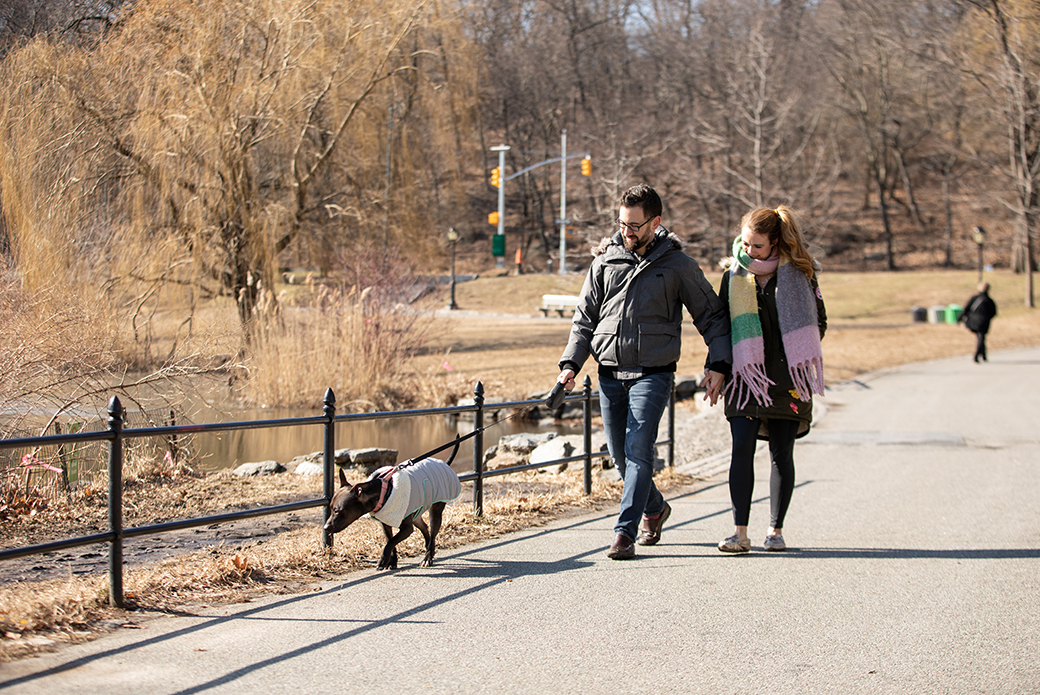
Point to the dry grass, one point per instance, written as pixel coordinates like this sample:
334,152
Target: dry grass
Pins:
869,327
356,342
69,610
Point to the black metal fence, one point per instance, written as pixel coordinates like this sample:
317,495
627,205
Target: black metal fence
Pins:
116,435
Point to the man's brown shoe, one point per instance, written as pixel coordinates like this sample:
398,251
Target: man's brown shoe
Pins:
652,527
623,548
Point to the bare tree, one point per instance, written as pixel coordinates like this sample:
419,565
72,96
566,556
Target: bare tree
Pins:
1005,62
748,125
863,59
566,65
73,20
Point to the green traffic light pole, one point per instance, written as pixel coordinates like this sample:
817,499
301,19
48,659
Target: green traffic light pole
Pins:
501,149
563,221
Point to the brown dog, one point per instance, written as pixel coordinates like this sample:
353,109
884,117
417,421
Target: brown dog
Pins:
397,497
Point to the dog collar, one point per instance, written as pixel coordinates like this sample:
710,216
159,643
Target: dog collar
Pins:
385,478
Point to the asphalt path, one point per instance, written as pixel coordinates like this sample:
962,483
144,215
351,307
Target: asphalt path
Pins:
913,567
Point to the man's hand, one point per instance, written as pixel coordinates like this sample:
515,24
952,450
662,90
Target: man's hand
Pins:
567,379
713,382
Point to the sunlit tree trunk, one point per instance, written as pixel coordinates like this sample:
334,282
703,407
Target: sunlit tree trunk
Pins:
1020,79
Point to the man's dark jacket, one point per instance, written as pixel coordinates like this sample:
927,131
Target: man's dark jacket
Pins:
629,314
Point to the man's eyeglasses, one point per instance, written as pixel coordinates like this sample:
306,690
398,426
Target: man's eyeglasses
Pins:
631,227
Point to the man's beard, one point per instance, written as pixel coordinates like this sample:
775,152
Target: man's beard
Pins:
636,245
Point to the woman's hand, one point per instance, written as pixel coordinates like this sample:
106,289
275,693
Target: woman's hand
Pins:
713,382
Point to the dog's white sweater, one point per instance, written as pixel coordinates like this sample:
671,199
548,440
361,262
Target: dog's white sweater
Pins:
417,488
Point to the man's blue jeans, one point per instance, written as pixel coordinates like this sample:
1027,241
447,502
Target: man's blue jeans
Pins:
632,410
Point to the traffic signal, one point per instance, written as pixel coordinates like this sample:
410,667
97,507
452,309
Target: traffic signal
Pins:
586,167
493,218
496,177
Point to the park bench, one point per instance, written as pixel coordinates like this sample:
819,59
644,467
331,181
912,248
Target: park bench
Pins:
558,303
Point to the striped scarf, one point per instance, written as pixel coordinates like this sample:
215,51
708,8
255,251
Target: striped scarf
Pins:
799,330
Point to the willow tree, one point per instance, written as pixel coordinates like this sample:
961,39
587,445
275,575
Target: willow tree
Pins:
202,139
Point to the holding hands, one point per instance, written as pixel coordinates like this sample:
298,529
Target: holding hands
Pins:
713,382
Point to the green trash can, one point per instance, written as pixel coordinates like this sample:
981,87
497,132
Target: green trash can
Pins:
953,312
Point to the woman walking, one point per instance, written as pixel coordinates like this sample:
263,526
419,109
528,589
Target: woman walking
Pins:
777,320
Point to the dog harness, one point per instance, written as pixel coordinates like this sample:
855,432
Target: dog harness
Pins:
416,488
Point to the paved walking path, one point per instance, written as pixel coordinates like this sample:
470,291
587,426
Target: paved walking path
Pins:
914,567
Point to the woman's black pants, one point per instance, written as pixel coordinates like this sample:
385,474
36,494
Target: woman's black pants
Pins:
742,467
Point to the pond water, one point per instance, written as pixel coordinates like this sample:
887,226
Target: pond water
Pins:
409,436
211,452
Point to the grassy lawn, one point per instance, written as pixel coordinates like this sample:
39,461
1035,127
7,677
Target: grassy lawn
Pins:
870,326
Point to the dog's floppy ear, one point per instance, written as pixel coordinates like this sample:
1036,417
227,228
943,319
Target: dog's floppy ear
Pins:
342,478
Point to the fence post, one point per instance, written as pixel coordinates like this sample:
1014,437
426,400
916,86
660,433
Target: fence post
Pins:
115,503
329,464
173,444
671,427
586,426
478,451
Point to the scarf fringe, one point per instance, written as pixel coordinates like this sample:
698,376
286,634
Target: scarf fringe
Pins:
808,377
747,381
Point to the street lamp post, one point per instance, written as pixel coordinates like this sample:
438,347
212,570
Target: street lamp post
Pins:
563,203
979,235
453,237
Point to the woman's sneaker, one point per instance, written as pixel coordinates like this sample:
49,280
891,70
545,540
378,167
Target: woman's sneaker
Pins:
775,543
735,545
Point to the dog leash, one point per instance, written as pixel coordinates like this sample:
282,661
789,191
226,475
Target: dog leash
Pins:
554,400
455,442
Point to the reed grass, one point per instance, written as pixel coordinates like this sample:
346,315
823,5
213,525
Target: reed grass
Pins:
356,342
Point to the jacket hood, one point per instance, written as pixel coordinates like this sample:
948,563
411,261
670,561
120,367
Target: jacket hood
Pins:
616,240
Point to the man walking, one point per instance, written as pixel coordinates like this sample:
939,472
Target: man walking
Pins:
629,318
978,312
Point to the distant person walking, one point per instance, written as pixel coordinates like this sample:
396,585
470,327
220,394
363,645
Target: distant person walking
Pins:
629,318
978,312
777,320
